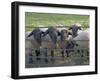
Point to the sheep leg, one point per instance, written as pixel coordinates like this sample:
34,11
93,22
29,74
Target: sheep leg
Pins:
62,52
52,53
52,56
30,59
87,53
78,51
67,52
37,52
46,54
82,51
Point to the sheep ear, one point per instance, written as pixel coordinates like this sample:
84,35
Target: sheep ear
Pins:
30,34
45,33
70,28
79,28
69,33
59,33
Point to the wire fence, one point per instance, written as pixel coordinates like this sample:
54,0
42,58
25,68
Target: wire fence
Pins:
76,57
57,50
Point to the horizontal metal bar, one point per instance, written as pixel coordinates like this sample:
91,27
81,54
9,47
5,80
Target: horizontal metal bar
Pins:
53,26
60,49
49,41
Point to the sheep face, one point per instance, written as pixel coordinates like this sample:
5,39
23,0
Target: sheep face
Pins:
75,29
64,35
53,33
37,34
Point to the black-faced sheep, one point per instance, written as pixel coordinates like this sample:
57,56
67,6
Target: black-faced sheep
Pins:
83,41
64,43
33,41
75,29
50,40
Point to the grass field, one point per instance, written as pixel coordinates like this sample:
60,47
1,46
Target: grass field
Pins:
48,19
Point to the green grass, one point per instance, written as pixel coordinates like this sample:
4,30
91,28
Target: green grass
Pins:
48,19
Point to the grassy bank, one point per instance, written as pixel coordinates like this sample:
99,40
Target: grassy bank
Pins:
48,19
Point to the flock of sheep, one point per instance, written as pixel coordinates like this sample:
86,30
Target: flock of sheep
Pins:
51,38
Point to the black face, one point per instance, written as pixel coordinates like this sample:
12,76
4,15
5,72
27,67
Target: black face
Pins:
37,33
64,35
53,33
75,30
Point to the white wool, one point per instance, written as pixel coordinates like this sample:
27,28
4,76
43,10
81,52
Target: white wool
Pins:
82,36
46,38
47,42
43,29
69,37
30,43
29,38
78,24
79,31
82,40
27,33
63,28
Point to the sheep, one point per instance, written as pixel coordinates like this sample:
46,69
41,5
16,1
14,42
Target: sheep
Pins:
49,41
61,28
87,30
28,47
82,40
33,41
43,29
64,43
75,29
28,41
